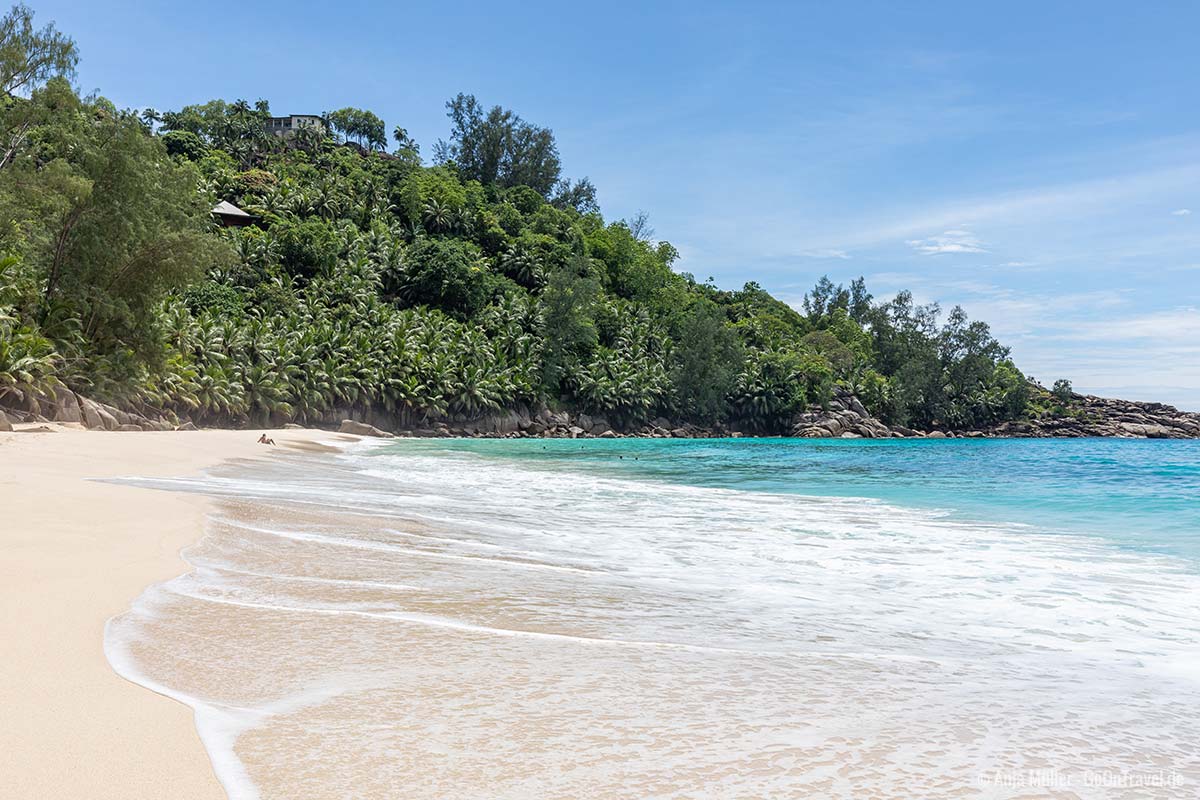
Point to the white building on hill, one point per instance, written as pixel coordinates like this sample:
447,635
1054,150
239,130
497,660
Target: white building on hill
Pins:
284,126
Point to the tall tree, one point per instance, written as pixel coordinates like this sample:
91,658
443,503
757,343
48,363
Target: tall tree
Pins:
499,147
707,360
29,57
579,195
360,126
569,325
111,222
640,226
406,147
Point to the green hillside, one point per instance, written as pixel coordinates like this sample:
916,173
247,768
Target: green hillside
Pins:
472,278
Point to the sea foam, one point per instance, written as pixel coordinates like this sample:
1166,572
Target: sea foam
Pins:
423,621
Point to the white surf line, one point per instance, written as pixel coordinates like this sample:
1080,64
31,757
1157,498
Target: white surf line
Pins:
217,724
440,622
203,566
391,548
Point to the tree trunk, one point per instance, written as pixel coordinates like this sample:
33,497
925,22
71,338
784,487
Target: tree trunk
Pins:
60,248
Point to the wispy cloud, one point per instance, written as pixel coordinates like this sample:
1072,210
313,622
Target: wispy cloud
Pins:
951,241
1011,312
1179,326
1181,212
1053,204
826,253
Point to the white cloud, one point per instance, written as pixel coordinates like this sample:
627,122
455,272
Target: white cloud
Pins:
1181,212
952,241
1051,205
826,253
1176,327
1152,356
1014,314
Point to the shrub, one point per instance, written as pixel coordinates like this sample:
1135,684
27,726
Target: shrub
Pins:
308,248
1062,391
185,144
446,273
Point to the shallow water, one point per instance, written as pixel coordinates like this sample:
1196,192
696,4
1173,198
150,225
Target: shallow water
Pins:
683,619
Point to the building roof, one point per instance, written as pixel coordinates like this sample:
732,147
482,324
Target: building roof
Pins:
227,209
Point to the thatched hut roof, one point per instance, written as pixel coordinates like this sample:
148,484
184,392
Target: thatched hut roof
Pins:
230,215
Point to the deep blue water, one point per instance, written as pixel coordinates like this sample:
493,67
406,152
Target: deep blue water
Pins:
1142,495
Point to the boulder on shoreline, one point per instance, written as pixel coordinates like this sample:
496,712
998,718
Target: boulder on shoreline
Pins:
363,429
845,417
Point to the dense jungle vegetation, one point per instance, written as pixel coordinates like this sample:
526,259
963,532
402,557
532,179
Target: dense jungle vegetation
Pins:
477,279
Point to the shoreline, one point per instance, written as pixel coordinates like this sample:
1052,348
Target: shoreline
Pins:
78,551
479,626
842,417
484,646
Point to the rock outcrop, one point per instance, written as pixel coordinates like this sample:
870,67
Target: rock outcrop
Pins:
64,406
363,429
1089,415
843,418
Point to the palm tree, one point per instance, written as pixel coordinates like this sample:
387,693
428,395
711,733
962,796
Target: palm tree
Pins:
522,266
438,218
28,361
310,139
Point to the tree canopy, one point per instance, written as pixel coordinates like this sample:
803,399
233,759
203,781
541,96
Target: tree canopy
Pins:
31,56
359,126
498,147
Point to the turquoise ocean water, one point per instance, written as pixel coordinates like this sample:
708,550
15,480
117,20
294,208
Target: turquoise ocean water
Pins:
1139,494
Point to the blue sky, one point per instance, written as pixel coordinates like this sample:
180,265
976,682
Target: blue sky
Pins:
1037,163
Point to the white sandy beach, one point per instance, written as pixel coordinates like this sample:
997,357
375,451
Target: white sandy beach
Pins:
74,552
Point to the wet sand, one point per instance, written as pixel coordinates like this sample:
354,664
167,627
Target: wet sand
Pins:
73,553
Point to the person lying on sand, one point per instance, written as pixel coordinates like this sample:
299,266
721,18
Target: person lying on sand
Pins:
264,440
